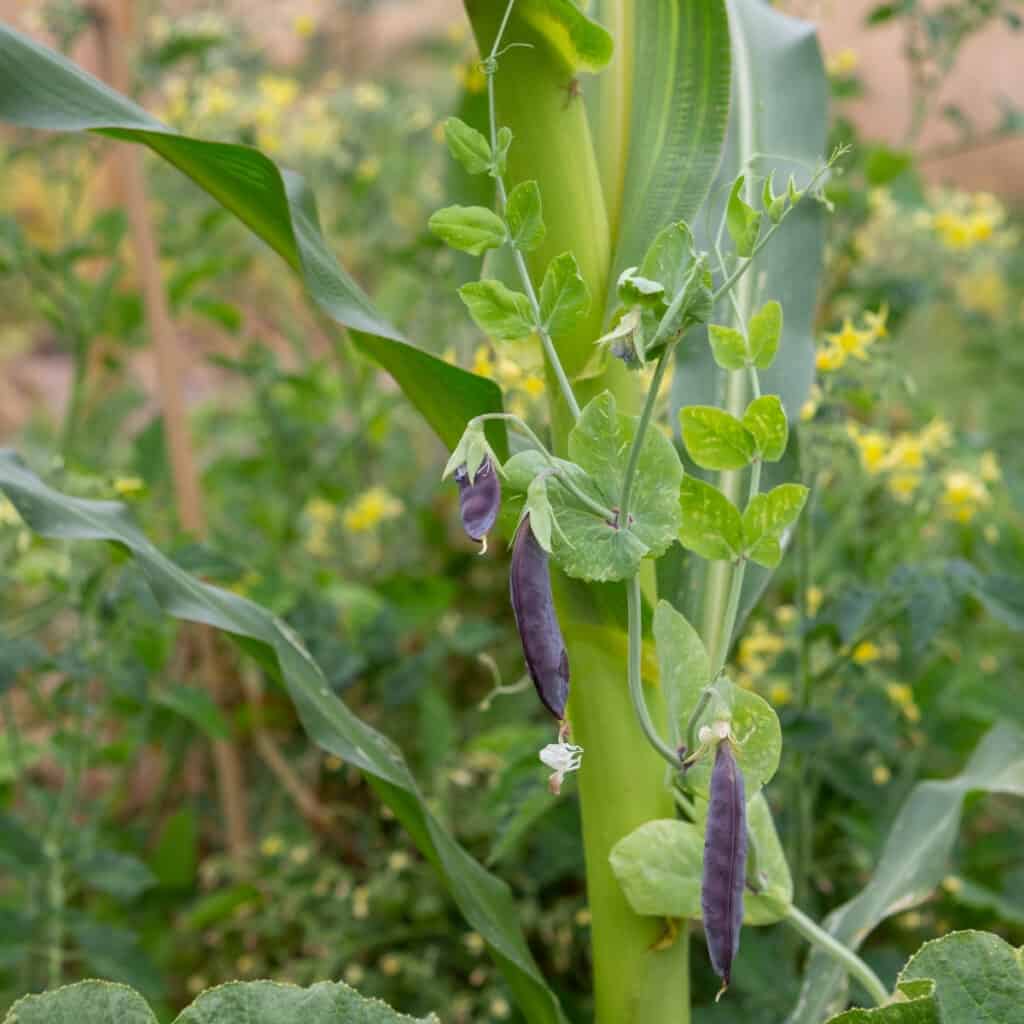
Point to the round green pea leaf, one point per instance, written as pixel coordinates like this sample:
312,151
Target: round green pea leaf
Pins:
600,444
660,864
757,737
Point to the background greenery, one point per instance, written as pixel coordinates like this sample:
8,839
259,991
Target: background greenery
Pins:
889,641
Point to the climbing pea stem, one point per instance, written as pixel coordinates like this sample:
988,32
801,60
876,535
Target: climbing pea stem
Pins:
636,685
831,946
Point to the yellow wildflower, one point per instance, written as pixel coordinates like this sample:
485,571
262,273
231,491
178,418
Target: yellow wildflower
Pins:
216,101
370,509
390,964
952,884
873,447
785,614
128,485
988,664
471,77
369,96
989,469
963,495
534,385
906,453
876,323
880,775
508,372
866,652
850,340
808,410
271,846
360,902
320,510
368,169
499,1008
983,290
245,964
278,91
903,486
399,861
814,597
300,855
780,694
304,25
830,359
936,436
842,63
483,363
354,974
474,942
8,513
900,694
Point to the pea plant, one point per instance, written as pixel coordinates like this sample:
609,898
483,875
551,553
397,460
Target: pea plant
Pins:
659,183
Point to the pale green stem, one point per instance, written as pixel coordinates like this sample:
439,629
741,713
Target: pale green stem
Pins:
588,502
490,66
638,438
828,944
635,671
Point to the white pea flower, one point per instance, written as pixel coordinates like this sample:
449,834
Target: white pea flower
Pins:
562,758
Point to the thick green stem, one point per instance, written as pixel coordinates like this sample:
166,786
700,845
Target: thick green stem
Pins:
621,785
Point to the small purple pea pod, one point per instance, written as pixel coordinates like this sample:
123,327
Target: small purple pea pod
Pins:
725,856
479,500
534,609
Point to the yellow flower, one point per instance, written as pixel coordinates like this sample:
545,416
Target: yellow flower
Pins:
534,385
304,25
354,974
785,614
474,942
370,509
989,469
876,323
368,169
499,1008
360,902
873,447
216,101
952,884
880,775
271,846
900,694
320,510
8,513
399,861
390,964
471,77
814,597
906,453
903,486
808,409
842,63
936,436
780,694
128,485
508,372
866,652
369,96
850,340
963,494
988,664
830,359
483,364
983,291
278,91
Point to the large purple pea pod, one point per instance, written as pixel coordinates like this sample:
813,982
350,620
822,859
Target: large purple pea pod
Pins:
534,608
479,500
725,860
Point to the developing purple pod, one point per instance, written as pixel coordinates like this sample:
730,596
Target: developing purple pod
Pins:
479,500
534,609
725,862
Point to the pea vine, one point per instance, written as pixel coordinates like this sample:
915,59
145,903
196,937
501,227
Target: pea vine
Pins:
622,497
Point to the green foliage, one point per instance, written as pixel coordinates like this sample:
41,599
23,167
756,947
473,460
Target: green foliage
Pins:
715,439
472,229
564,297
501,312
765,330
710,523
481,896
766,421
742,220
258,1002
767,517
525,219
468,146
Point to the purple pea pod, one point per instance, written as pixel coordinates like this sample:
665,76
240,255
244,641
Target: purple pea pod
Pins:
534,609
725,858
479,500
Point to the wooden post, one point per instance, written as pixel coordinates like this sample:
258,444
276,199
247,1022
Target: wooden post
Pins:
113,20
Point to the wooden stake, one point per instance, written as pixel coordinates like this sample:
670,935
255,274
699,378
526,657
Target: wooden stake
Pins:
113,24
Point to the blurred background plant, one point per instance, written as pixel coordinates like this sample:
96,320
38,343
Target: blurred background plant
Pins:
889,641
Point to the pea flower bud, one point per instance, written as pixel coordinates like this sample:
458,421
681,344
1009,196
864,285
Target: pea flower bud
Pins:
725,859
479,500
534,608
